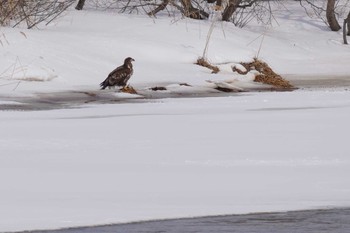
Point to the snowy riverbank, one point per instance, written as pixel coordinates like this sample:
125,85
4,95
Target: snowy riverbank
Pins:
175,157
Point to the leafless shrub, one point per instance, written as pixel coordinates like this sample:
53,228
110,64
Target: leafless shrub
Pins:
261,11
31,12
124,6
197,9
240,12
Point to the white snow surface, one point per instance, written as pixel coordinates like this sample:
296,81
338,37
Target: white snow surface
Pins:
176,157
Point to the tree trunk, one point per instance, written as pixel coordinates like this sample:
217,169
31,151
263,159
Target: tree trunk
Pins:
80,5
190,11
344,31
330,14
348,22
230,9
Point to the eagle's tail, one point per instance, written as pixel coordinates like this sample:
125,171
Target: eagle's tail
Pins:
103,85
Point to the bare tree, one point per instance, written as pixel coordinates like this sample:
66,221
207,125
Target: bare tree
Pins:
331,18
328,11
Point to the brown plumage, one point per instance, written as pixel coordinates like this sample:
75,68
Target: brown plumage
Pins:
120,75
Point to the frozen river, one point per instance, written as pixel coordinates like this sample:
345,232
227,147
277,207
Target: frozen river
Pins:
81,98
311,221
95,158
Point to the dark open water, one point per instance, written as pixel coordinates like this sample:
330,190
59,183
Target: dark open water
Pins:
310,221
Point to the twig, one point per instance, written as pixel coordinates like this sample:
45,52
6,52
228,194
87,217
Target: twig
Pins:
262,40
255,39
16,86
7,84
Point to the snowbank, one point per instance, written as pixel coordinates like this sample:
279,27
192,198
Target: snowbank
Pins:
84,46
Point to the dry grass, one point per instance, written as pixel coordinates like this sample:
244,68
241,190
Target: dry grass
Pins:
242,72
267,75
205,63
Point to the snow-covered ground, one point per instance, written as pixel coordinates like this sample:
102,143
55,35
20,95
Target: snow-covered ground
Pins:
162,158
80,49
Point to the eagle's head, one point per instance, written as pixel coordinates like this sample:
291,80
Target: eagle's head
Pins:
128,60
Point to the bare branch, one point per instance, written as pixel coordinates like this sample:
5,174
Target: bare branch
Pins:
31,12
